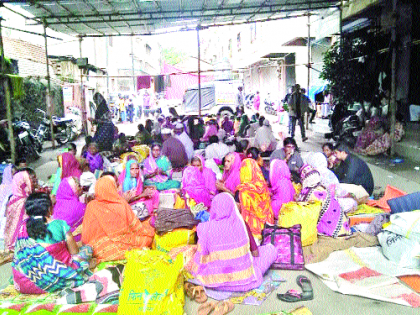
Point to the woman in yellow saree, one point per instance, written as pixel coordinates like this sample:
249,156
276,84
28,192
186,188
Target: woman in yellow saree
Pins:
254,197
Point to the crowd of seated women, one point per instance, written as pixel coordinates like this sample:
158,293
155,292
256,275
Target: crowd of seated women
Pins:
89,214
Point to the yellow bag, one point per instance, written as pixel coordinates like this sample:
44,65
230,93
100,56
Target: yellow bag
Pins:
153,284
304,213
175,238
179,202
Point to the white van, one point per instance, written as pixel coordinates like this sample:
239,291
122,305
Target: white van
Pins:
217,97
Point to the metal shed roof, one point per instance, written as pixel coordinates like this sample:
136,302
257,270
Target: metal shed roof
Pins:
119,17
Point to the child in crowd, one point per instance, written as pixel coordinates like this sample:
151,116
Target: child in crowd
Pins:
87,179
88,140
71,147
93,158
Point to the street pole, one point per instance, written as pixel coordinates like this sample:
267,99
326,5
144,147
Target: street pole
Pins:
50,105
107,67
393,103
82,92
7,99
309,63
132,66
199,71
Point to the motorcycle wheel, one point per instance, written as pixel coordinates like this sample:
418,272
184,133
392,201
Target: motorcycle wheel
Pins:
64,136
30,153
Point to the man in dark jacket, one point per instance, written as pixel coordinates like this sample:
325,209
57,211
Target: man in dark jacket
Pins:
353,170
297,105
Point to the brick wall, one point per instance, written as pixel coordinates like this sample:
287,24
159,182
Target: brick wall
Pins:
31,58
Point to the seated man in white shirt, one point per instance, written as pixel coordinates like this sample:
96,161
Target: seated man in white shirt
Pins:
216,150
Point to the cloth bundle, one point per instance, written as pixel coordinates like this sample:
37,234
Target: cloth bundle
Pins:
170,219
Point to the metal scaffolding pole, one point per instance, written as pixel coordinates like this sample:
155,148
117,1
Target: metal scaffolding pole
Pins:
393,103
82,94
309,52
50,105
107,67
199,70
132,66
7,98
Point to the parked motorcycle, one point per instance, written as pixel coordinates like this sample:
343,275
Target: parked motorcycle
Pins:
63,129
249,101
345,125
25,143
269,107
75,114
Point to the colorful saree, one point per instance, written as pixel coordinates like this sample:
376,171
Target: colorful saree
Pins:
15,211
281,185
70,166
332,221
254,197
37,269
110,226
127,183
67,206
209,177
194,186
161,181
223,259
231,178
6,191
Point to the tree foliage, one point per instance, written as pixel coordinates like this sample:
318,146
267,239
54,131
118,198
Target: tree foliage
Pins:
173,56
351,70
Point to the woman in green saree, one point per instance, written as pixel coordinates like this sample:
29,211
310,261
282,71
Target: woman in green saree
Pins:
158,170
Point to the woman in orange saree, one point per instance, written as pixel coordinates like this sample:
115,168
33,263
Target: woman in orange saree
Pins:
110,226
254,197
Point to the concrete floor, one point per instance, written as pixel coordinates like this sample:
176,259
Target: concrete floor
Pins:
326,301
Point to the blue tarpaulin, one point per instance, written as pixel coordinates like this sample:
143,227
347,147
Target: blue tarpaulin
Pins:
315,89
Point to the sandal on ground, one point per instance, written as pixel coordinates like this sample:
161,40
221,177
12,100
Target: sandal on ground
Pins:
206,308
223,308
199,295
291,296
306,285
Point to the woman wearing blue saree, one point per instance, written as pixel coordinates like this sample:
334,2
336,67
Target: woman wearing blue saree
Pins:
158,170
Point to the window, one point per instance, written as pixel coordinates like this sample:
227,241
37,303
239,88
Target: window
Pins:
238,41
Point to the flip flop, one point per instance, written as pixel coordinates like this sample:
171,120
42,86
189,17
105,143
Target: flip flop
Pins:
306,285
199,295
223,308
290,296
206,308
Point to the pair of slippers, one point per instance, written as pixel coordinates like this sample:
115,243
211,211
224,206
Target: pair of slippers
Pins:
307,293
195,292
216,308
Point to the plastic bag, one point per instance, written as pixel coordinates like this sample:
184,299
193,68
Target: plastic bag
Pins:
304,213
406,224
175,238
399,249
153,284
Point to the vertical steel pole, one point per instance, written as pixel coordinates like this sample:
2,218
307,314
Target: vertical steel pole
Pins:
6,86
393,103
309,52
199,71
82,92
132,65
107,67
50,105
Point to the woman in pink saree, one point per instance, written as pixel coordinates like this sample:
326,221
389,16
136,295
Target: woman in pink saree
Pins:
223,260
194,186
133,191
68,207
208,174
70,166
230,180
282,189
23,185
